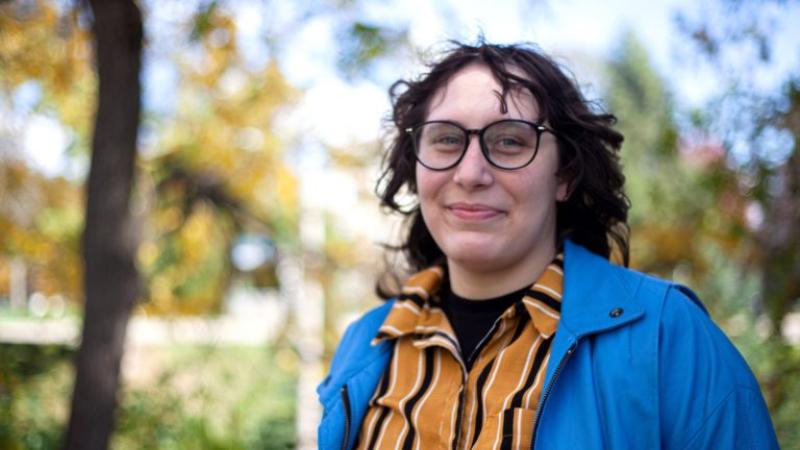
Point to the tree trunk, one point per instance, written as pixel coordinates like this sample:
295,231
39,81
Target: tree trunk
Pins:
111,281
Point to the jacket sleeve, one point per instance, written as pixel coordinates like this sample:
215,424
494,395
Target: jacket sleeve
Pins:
709,396
358,364
339,357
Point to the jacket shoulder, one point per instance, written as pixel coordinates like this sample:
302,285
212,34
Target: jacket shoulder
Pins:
685,327
591,281
708,396
652,291
358,335
355,350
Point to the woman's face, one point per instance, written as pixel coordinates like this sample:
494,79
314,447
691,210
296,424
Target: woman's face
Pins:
488,220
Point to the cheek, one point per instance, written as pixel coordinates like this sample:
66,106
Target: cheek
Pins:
542,184
422,191
536,193
429,185
426,183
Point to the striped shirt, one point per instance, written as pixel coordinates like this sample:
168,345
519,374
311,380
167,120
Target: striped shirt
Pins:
427,399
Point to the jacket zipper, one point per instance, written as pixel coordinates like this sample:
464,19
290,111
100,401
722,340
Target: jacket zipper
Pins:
346,403
560,366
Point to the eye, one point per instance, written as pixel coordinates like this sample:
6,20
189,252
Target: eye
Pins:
442,137
510,137
448,139
509,141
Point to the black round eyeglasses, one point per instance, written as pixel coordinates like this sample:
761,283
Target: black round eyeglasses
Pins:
507,144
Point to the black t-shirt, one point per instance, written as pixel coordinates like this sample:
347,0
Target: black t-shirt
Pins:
472,319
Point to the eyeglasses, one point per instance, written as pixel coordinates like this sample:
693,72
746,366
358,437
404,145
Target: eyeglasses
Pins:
507,144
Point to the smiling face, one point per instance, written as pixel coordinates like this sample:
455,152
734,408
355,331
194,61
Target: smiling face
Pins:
496,227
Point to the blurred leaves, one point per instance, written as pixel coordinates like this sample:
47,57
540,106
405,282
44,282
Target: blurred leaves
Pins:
33,391
212,398
51,46
760,131
40,222
675,184
211,166
214,168
215,398
45,49
363,43
216,171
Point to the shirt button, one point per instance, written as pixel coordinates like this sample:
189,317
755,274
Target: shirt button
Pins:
616,312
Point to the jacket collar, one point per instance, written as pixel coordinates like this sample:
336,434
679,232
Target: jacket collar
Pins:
596,299
596,296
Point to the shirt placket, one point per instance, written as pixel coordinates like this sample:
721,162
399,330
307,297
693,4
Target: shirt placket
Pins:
469,399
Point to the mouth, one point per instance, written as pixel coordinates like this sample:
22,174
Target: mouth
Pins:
474,211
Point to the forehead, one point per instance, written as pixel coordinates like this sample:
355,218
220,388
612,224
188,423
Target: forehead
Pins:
474,89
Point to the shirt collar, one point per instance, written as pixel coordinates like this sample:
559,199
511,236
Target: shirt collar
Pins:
417,311
412,312
543,299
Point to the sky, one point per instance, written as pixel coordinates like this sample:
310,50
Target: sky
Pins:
580,33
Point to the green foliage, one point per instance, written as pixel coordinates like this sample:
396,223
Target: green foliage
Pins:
33,389
363,43
216,398
759,126
213,398
679,187
209,170
216,170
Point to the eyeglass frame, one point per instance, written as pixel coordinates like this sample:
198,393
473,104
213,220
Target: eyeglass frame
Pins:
537,127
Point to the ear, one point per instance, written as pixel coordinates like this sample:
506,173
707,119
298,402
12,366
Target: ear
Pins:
563,189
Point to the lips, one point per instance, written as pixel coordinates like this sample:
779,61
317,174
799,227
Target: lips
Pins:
473,211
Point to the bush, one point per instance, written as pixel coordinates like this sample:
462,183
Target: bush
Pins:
214,398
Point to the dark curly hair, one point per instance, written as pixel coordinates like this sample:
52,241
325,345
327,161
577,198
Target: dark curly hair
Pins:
594,215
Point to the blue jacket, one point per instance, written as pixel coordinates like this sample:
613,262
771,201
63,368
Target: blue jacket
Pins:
636,363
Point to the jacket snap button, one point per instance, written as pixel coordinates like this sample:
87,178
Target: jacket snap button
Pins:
616,312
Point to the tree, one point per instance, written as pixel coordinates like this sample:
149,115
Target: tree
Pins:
215,171
759,128
111,281
42,53
675,184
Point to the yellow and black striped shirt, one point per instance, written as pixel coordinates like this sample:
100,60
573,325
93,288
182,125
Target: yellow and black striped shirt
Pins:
428,399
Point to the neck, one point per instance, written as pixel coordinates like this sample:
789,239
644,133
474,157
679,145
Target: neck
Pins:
480,283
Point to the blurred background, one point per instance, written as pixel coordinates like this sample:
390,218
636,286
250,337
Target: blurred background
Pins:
256,235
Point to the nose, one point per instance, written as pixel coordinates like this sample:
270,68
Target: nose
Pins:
473,170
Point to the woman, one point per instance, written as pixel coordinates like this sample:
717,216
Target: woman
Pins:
516,331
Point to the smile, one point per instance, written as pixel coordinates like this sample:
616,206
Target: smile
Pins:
473,211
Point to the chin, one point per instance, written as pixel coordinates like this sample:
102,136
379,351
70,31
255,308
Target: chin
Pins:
484,258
